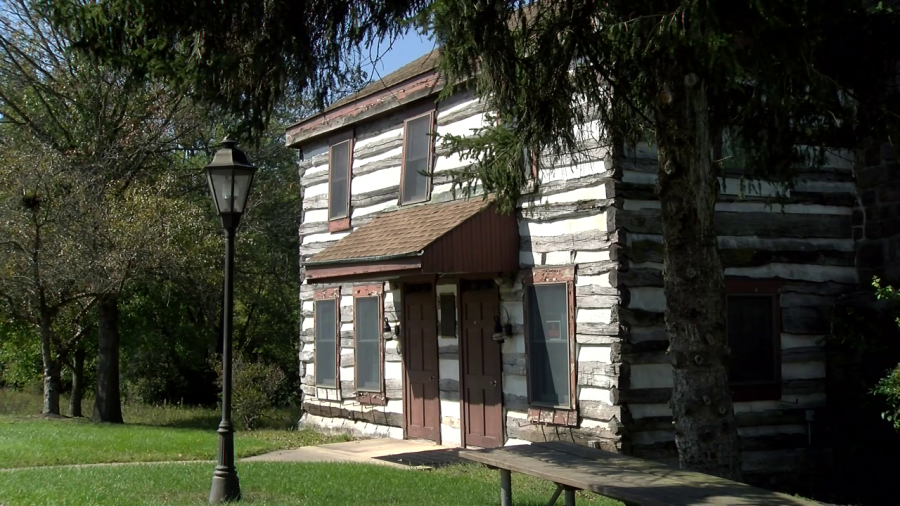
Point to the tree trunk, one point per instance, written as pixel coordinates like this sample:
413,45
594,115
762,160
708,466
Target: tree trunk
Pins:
107,403
51,368
705,430
77,383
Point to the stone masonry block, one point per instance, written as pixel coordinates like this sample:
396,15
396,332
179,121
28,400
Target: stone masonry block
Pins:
871,177
869,197
871,254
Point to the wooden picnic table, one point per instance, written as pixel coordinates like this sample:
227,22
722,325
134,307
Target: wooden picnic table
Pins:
628,479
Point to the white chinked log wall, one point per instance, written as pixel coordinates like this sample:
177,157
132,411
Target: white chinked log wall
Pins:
604,220
805,240
565,224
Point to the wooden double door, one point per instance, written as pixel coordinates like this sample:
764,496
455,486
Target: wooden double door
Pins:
480,363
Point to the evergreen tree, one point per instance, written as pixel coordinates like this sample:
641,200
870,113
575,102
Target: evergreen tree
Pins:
772,75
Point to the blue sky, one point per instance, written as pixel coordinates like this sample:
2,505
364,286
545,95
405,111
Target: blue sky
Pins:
391,57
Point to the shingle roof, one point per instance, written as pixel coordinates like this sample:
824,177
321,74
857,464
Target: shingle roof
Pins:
401,233
421,65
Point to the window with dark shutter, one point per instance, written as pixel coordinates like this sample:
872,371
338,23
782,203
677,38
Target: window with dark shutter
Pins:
339,181
417,144
368,344
548,345
326,343
753,330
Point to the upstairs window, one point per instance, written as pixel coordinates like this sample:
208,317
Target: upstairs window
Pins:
753,327
326,323
340,156
418,141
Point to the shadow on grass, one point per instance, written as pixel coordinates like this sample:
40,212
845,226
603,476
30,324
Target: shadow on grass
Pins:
199,421
28,405
206,418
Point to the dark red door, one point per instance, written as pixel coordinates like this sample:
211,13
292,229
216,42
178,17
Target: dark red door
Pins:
482,365
420,360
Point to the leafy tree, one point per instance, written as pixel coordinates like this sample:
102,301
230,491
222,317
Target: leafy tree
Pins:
170,318
774,75
240,56
888,388
77,138
20,354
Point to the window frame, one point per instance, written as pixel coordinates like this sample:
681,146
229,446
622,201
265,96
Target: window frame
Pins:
428,109
552,276
372,397
333,294
341,223
764,390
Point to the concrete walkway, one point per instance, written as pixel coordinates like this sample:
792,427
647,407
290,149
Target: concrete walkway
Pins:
399,453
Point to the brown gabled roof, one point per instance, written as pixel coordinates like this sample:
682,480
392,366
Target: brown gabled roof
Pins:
402,233
422,65
413,82
417,67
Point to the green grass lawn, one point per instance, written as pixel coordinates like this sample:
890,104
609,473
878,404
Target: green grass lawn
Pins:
150,434
271,483
30,444
44,442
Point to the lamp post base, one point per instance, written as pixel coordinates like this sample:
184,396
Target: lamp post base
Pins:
225,486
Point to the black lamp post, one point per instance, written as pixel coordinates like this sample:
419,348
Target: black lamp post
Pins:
230,178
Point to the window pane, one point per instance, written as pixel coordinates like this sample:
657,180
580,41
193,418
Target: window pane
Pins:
368,342
418,147
340,171
326,333
548,334
448,315
241,185
751,337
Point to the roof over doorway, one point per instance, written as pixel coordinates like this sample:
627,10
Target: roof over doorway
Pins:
461,236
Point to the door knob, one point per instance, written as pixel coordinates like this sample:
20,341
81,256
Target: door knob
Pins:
494,383
432,378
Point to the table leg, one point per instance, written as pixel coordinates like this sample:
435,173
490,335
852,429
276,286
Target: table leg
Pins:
506,488
570,496
555,496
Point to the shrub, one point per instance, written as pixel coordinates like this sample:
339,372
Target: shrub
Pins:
888,388
254,388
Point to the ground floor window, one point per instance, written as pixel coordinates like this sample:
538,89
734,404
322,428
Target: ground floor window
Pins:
326,328
368,328
753,328
549,343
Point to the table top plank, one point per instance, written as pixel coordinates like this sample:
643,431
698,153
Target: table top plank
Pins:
628,479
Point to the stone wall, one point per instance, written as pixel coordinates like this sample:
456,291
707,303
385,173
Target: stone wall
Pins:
876,223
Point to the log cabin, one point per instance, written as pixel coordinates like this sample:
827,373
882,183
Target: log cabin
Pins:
429,315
